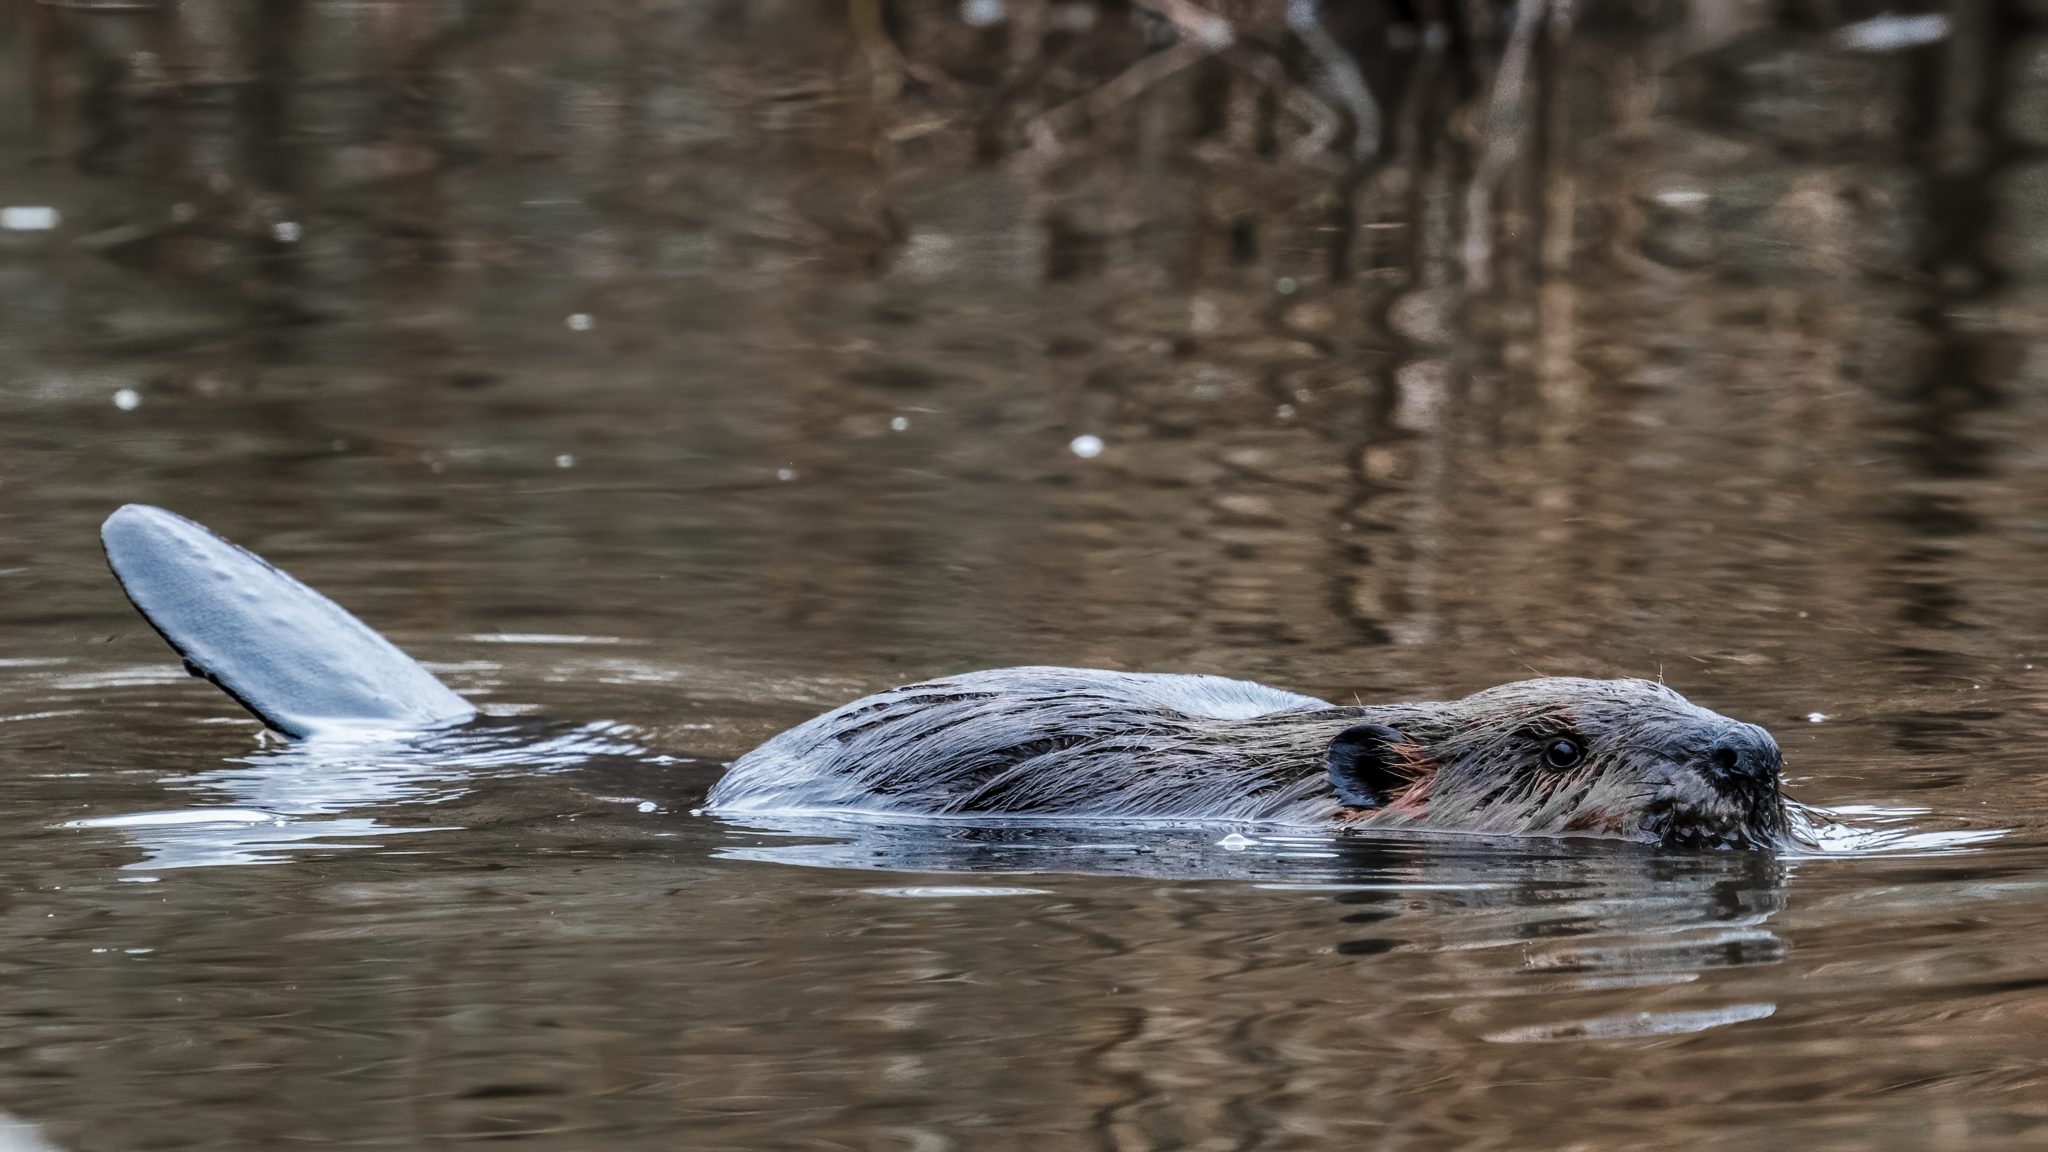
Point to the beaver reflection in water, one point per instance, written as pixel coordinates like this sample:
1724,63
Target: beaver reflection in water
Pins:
1557,757
1620,758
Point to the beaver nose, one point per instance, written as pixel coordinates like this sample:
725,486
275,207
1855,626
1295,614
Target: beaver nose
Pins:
1745,753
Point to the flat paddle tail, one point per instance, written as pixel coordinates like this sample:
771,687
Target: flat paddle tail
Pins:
296,659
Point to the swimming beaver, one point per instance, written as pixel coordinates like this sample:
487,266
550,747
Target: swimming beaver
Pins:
1624,758
1617,758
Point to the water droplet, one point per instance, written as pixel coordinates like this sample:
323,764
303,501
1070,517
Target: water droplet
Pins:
565,461
1085,446
645,806
579,322
1236,842
900,424
286,231
785,474
127,399
1816,717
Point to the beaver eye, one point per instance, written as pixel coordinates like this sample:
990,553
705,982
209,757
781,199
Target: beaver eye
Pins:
1563,752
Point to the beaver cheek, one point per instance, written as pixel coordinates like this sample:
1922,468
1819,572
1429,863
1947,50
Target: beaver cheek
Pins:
1413,801
1600,821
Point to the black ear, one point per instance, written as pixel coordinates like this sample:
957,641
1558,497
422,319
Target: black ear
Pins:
1362,765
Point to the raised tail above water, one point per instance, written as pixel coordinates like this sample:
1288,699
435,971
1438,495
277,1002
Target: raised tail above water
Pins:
296,659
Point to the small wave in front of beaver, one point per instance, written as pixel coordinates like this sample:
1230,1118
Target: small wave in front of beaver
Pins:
1183,849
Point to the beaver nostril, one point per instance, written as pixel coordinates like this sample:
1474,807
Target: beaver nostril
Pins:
1744,753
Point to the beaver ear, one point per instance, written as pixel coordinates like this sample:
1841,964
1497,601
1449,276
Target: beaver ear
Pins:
1362,764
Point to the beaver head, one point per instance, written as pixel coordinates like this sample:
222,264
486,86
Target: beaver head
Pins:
1624,758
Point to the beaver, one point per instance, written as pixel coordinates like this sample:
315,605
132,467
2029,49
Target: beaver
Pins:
1630,759
1626,759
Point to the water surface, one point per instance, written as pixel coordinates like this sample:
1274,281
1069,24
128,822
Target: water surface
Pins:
671,376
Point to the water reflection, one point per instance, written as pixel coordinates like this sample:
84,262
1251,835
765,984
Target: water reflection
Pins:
1584,917
294,795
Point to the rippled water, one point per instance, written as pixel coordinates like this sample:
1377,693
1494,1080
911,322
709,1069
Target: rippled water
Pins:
664,378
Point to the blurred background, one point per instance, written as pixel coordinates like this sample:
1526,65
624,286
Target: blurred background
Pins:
1373,344
700,365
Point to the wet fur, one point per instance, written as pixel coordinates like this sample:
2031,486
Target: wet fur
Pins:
1065,742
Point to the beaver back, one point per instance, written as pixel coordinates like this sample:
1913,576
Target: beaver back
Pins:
1052,742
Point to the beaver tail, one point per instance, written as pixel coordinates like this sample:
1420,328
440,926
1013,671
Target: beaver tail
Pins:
296,659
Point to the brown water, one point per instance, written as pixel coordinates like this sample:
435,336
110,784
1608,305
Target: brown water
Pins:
677,375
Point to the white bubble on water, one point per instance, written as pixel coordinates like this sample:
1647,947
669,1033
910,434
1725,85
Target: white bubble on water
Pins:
1816,717
127,399
981,13
785,474
900,424
286,231
565,461
29,218
1893,32
579,322
1085,446
1236,842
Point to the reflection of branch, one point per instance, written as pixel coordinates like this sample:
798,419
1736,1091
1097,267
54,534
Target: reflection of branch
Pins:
1203,35
871,35
1505,118
1324,122
1195,22
1344,76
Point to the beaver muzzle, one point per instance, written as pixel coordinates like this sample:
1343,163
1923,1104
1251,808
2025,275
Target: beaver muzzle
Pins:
1725,794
